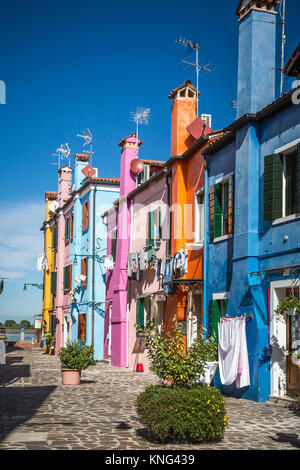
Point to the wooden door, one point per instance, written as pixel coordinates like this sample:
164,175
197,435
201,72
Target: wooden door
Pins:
82,326
293,344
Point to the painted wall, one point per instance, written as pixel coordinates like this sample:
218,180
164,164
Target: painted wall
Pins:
152,197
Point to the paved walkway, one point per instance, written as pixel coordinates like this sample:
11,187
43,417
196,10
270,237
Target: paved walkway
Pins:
38,412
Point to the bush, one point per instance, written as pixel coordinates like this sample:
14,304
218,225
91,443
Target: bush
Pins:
193,414
77,355
169,358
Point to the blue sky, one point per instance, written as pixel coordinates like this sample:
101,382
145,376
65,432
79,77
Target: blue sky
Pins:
73,64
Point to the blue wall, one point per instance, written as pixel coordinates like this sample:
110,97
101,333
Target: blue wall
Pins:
256,244
82,244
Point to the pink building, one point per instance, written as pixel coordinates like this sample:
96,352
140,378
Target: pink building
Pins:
119,335
62,258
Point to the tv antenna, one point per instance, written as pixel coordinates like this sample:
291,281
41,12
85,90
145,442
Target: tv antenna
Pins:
87,140
63,151
195,47
140,116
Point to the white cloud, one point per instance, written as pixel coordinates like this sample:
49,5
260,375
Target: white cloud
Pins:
20,238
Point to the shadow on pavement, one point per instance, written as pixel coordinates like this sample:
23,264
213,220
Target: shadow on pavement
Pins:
10,372
20,404
293,439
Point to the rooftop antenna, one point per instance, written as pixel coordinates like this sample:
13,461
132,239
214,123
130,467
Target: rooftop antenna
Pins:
283,41
195,47
87,140
140,116
63,151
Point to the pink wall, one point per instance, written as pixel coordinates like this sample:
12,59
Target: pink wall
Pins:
62,257
117,281
152,197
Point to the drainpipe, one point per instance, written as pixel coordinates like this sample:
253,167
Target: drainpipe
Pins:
93,265
205,262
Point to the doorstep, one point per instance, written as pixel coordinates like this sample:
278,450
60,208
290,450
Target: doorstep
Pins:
285,401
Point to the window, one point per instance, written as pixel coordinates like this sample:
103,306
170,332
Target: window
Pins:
84,271
221,208
52,325
143,310
53,282
71,225
85,215
199,217
217,309
82,326
55,237
67,229
154,227
68,277
114,244
282,184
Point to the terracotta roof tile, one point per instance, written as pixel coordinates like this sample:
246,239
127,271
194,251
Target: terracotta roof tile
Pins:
51,195
104,180
292,68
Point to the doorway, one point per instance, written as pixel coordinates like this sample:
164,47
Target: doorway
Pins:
194,322
285,340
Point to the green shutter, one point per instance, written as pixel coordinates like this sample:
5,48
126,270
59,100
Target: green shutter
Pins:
67,228
298,180
53,324
141,312
55,237
150,229
273,169
214,317
218,211
159,224
53,282
66,277
225,208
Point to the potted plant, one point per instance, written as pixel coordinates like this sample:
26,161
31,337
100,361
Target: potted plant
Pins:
74,358
289,305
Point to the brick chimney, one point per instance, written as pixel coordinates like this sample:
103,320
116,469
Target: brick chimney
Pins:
65,182
183,113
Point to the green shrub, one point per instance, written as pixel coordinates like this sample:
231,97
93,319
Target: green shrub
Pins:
77,355
169,358
191,414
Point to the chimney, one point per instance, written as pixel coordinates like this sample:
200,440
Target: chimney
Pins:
65,181
50,199
183,113
80,161
257,55
129,152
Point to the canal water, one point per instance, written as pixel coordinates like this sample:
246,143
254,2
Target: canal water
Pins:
14,337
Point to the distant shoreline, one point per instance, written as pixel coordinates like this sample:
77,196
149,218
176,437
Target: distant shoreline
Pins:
17,330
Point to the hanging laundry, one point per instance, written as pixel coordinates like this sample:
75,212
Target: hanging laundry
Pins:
139,276
180,263
40,260
143,260
158,269
108,263
129,265
233,353
151,257
168,274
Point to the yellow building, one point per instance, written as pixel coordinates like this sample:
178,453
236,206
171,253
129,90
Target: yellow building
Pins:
50,241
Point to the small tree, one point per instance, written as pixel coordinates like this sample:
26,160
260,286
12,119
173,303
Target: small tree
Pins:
25,324
10,324
168,355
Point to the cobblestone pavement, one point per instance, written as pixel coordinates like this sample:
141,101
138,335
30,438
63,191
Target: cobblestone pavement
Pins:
38,412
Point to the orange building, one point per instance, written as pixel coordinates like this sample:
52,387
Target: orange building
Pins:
189,137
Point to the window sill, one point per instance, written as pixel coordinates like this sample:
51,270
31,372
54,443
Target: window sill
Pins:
288,218
222,238
196,245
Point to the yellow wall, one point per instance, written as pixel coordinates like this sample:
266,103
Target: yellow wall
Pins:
48,297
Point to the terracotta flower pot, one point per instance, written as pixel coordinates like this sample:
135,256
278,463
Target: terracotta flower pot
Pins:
71,376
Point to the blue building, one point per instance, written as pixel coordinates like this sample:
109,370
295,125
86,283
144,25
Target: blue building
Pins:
92,196
252,246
